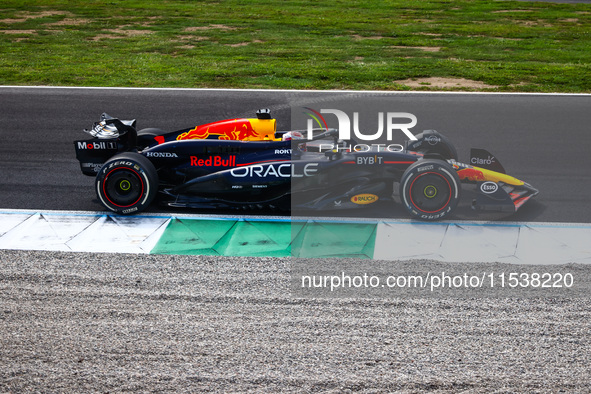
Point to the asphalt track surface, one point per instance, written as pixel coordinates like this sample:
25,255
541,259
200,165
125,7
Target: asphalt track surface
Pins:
541,139
80,322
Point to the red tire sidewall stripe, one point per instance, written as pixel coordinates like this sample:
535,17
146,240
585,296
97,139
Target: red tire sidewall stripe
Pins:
127,169
415,205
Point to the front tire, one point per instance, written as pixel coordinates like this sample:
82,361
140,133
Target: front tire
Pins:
127,183
430,189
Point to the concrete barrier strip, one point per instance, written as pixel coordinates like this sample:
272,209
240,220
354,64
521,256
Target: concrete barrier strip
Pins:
520,243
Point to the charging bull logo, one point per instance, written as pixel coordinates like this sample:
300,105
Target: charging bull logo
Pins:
471,174
237,129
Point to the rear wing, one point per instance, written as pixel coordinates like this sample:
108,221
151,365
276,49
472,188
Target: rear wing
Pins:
111,136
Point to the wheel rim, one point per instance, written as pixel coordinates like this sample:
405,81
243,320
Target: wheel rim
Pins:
430,192
123,187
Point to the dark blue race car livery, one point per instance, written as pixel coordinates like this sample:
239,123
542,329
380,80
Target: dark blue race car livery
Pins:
246,163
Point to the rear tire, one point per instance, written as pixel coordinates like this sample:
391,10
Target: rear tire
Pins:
430,189
127,183
147,137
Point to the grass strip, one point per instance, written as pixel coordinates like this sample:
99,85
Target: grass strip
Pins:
300,44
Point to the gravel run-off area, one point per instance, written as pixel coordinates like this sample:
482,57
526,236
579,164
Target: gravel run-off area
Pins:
78,322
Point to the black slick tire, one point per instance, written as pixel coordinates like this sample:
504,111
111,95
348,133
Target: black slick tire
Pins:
127,183
430,189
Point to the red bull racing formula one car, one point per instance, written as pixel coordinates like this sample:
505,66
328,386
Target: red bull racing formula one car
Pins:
239,163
